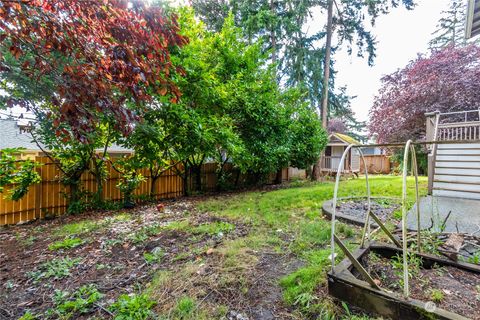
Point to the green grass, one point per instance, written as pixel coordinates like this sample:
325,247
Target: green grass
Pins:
287,221
213,228
87,226
77,228
67,243
297,212
281,208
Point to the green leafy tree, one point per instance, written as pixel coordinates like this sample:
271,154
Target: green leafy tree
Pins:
130,178
299,54
71,157
151,147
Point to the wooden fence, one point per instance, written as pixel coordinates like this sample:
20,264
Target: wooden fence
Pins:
49,196
376,164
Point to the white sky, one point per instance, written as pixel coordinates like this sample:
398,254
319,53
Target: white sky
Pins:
400,36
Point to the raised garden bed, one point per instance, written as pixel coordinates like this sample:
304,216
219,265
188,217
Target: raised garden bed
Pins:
457,282
354,209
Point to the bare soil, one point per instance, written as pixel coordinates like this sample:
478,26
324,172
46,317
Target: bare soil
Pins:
112,261
460,289
357,208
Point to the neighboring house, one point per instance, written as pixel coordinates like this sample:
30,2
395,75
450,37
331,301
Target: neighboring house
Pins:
473,19
337,143
14,134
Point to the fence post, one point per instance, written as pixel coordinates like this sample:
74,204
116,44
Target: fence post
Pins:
38,190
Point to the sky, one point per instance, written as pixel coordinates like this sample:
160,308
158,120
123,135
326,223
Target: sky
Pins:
400,35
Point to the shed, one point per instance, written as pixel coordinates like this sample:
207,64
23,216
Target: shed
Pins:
337,143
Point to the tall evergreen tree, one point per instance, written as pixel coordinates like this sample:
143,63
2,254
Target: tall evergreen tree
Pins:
451,27
299,54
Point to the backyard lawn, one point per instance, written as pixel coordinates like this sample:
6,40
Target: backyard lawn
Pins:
251,255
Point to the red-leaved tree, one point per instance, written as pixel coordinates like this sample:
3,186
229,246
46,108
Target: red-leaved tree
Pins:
336,125
100,56
447,80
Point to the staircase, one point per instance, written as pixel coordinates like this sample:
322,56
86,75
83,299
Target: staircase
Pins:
454,168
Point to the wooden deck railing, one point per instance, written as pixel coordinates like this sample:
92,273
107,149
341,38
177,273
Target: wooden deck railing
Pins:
449,126
452,126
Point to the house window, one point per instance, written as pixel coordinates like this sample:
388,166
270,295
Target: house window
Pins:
328,151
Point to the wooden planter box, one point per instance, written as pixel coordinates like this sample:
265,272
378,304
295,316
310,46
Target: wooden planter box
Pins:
345,285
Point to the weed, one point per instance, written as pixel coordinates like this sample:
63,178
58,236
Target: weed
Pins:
301,284
475,259
28,241
9,284
77,228
28,316
215,228
137,307
350,316
101,266
79,302
185,308
120,217
108,243
144,233
138,237
181,256
310,235
436,295
56,269
153,257
344,229
180,225
414,265
67,243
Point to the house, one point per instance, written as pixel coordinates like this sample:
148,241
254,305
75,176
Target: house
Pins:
330,160
16,134
454,163
473,19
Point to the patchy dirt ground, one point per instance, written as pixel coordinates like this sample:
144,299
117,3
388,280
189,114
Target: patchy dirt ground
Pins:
449,288
123,253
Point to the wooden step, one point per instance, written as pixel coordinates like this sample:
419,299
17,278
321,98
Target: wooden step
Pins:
458,171
458,164
458,152
475,188
459,157
457,194
458,146
458,180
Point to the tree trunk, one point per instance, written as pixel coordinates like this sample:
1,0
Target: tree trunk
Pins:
153,180
278,178
186,191
326,65
316,172
197,175
99,193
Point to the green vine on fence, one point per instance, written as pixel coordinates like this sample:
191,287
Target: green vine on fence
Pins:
19,174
